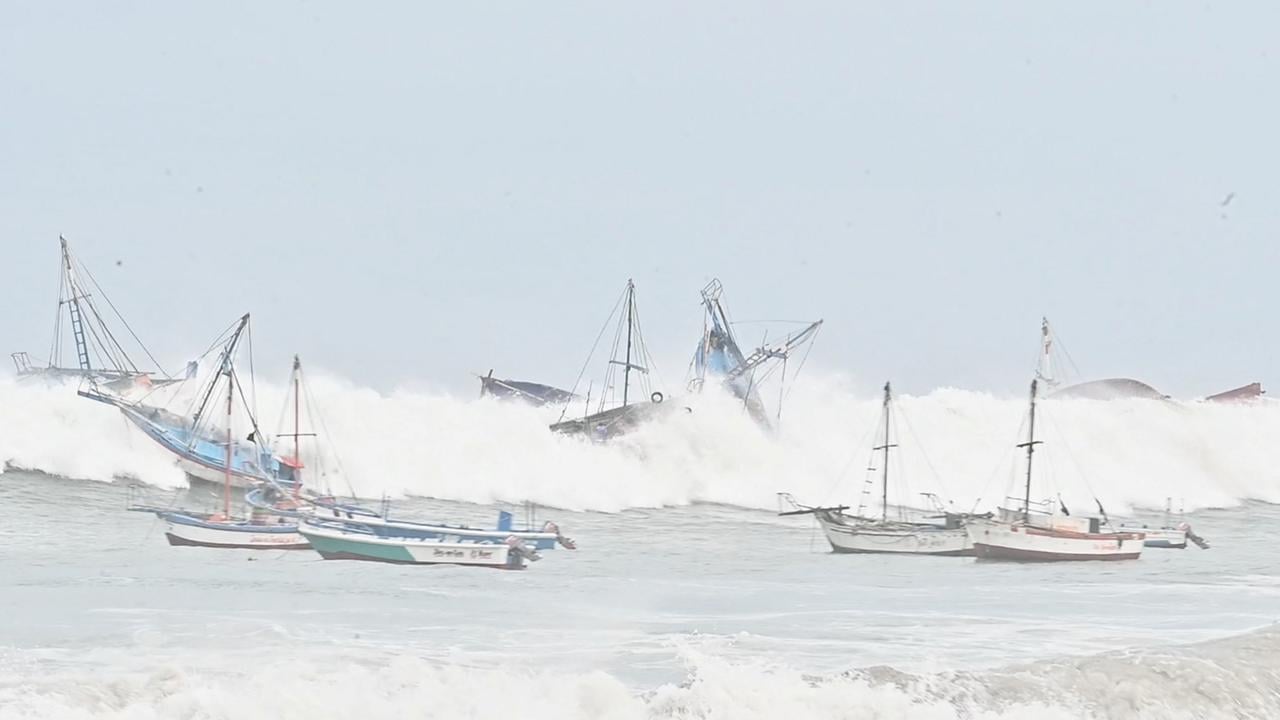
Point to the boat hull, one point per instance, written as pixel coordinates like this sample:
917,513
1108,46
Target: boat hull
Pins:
200,472
187,531
1022,543
895,539
337,544
1166,538
447,533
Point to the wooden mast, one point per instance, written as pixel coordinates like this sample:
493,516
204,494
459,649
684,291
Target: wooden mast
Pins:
226,482
297,428
884,469
1030,445
626,369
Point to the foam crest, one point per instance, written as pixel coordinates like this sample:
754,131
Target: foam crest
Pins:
955,443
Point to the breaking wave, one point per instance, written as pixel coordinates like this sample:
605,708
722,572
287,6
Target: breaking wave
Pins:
1236,677
955,443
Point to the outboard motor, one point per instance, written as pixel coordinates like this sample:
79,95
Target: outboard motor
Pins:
520,550
567,543
1199,541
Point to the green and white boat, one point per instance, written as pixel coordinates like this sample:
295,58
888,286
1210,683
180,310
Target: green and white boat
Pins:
336,541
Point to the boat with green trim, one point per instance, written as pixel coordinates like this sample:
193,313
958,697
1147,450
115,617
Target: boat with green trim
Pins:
337,541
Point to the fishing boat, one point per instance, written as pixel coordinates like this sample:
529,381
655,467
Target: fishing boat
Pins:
619,414
719,356
218,530
260,531
101,357
200,452
338,541
1045,532
913,532
287,496
532,393
1167,535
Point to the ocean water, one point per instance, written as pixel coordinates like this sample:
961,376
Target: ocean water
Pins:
688,597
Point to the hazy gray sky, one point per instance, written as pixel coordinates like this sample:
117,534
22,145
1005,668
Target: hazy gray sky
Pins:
406,192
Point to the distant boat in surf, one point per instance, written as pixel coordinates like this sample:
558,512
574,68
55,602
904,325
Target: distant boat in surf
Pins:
339,541
202,453
1169,534
1053,363
719,357
617,413
911,532
101,358
1045,532
530,392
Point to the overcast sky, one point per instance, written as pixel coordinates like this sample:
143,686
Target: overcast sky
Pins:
407,192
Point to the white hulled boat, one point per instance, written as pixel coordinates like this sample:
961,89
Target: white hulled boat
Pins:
221,529
1041,533
916,533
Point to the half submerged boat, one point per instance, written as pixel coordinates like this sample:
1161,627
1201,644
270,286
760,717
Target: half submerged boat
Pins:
202,452
100,355
719,356
1046,532
617,414
342,541
912,532
529,392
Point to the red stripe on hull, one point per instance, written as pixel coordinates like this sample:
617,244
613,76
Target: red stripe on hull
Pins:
184,542
353,556
995,552
945,553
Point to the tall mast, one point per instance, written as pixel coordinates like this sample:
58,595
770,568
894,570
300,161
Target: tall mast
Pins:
226,483
626,371
1030,445
884,466
297,402
228,351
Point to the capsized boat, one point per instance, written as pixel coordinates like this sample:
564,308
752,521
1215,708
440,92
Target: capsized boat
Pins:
100,355
529,392
719,357
619,414
912,532
339,541
1045,532
203,453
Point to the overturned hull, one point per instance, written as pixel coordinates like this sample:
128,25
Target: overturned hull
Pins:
1110,389
524,391
1244,393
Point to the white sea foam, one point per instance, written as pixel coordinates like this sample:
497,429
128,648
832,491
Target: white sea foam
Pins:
1232,678
953,442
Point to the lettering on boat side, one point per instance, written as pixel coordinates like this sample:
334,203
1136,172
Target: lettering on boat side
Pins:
475,554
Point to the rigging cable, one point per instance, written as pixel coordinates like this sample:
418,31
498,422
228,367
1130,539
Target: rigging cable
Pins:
591,354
